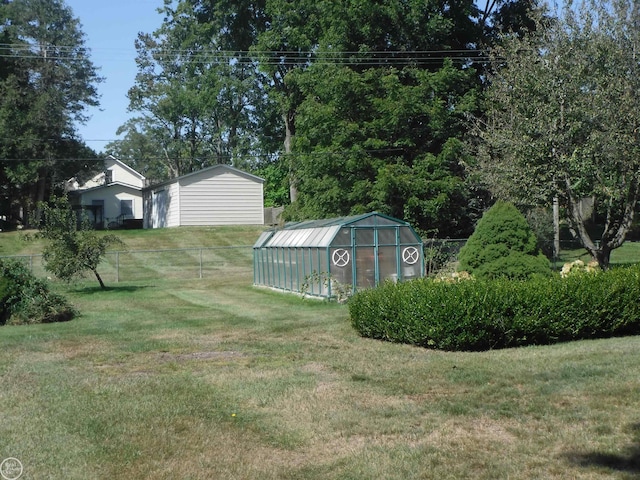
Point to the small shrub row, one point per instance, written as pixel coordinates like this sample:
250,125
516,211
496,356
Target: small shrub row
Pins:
26,299
500,313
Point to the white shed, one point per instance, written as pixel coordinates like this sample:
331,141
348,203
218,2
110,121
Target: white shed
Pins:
218,195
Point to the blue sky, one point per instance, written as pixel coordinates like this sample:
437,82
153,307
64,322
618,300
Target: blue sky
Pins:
111,27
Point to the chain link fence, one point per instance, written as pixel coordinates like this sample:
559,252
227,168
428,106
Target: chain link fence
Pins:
184,263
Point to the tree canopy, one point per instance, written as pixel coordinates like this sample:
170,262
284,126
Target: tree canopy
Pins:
46,82
563,119
73,246
352,106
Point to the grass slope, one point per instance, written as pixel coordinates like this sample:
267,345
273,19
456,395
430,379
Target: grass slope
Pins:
212,378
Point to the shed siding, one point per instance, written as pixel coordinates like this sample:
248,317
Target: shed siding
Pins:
223,199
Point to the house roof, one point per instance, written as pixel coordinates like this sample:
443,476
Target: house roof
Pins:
221,168
108,185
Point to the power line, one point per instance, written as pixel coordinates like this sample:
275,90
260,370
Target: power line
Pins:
270,57
392,150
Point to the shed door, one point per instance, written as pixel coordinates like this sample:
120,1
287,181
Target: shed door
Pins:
159,209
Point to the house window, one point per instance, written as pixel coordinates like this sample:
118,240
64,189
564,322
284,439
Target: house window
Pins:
126,208
108,177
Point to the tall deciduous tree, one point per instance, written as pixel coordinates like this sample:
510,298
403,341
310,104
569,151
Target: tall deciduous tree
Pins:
196,87
563,119
46,82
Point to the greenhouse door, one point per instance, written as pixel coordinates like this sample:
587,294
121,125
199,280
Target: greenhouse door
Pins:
375,256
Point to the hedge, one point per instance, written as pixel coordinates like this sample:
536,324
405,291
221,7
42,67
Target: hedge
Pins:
487,314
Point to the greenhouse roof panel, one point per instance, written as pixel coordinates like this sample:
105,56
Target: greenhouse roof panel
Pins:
264,236
366,219
305,237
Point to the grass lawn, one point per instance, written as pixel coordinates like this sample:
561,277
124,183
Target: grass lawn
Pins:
216,379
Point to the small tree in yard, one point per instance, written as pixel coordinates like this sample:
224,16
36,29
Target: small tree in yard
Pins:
503,245
74,247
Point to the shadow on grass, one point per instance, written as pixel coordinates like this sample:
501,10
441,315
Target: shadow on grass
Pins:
117,288
627,462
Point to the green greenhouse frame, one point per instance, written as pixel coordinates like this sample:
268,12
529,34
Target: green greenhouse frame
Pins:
324,257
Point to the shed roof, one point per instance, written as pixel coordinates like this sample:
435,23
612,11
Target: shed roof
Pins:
215,169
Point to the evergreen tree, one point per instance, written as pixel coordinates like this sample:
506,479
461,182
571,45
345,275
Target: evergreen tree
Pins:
503,245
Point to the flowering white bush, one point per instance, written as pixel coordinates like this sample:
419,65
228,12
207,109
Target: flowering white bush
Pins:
454,277
578,266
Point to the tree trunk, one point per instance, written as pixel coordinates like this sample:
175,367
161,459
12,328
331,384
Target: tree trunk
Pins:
579,230
289,124
614,232
102,285
556,229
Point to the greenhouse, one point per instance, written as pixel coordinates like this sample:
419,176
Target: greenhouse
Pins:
326,258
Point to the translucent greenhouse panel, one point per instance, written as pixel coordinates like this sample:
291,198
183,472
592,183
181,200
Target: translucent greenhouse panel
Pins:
364,236
327,236
278,268
262,239
342,238
341,265
411,262
316,236
388,264
314,286
408,236
365,267
268,266
286,264
387,236
386,221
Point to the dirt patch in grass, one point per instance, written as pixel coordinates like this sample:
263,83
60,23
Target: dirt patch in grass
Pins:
214,355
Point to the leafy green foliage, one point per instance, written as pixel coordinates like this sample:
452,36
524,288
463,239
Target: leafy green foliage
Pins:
72,249
46,82
503,245
364,101
562,119
486,314
362,141
25,299
541,222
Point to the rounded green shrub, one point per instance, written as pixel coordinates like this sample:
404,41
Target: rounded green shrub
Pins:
503,245
26,299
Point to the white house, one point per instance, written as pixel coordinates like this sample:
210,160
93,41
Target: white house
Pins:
217,195
113,197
